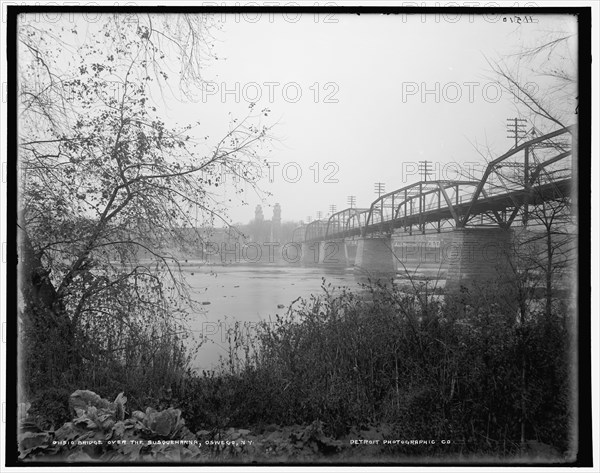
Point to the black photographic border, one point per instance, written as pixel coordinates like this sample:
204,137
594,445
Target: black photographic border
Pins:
584,400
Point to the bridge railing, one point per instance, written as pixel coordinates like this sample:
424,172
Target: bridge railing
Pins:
540,160
298,234
545,159
417,199
508,179
315,230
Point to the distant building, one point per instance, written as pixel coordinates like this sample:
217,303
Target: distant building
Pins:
262,230
276,224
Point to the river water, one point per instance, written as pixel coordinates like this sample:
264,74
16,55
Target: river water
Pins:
248,294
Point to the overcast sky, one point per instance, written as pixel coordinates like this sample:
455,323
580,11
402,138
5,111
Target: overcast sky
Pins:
359,99
378,93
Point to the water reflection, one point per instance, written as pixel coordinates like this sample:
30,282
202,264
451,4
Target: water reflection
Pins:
249,294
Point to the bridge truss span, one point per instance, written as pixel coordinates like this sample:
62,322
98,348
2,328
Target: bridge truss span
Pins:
315,230
419,204
346,223
537,171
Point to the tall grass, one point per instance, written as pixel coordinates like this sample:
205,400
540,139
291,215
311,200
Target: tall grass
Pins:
469,370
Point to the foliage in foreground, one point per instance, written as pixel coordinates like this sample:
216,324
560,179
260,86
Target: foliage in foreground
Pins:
109,196
101,431
473,370
388,364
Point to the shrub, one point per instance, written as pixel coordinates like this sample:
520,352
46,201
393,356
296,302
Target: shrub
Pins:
470,370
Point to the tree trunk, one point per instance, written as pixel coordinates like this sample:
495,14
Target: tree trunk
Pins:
47,350
549,276
523,407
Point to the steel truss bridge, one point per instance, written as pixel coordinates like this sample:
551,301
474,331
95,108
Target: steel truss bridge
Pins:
534,172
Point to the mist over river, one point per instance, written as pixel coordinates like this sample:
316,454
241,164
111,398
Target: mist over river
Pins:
248,294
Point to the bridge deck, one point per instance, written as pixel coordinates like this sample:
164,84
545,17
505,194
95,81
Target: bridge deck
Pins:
496,202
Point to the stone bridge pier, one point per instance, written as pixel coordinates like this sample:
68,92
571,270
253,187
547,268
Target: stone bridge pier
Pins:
351,247
310,253
332,254
479,256
328,254
464,257
374,259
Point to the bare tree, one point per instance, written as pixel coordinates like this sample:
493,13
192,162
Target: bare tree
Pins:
108,191
542,78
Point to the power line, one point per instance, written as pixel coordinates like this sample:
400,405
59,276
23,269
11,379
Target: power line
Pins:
517,128
425,169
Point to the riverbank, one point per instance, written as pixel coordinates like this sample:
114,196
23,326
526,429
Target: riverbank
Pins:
467,378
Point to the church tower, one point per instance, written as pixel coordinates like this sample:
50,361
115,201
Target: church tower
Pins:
258,214
258,231
276,224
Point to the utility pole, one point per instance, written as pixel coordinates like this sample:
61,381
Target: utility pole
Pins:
332,209
517,128
379,188
309,219
351,201
319,215
425,169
